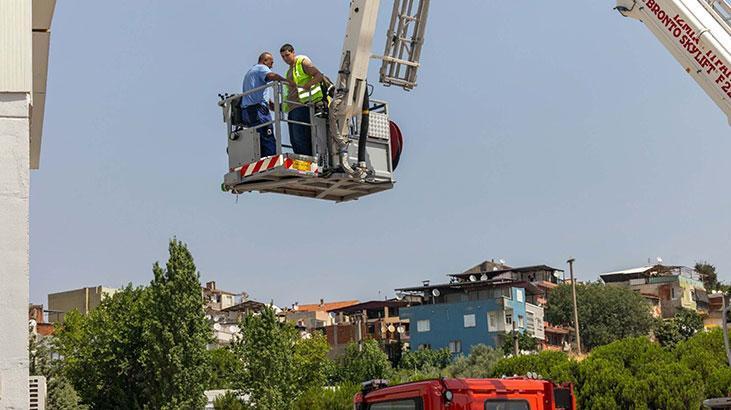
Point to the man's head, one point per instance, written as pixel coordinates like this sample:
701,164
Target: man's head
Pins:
267,59
287,53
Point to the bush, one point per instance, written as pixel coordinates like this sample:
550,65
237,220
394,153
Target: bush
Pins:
479,363
359,365
324,398
552,365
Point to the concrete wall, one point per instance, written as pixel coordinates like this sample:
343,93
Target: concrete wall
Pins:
14,191
84,300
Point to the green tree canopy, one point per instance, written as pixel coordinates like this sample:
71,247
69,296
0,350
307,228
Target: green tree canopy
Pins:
682,326
142,347
422,359
175,333
357,365
479,363
709,275
606,313
526,343
551,365
278,364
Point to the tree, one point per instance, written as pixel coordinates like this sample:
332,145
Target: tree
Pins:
708,275
61,395
682,326
636,373
175,334
339,397
101,351
142,347
423,359
606,313
552,365
229,401
526,343
357,365
479,363
279,365
225,366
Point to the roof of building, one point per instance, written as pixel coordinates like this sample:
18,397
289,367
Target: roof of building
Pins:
531,288
644,272
370,305
327,307
495,271
248,305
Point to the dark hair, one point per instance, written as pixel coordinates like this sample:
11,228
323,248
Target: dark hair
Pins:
263,55
286,47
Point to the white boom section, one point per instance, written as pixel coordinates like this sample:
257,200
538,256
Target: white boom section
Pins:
697,34
351,83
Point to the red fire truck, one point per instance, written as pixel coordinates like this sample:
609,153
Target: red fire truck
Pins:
513,393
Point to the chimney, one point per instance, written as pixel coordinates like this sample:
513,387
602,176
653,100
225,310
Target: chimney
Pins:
322,302
425,282
211,285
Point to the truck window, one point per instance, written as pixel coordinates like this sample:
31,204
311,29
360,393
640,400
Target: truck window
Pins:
407,404
504,404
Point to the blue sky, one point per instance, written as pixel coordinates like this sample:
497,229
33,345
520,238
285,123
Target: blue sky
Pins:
535,134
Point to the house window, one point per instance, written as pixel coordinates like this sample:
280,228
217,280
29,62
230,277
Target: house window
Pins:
519,295
455,346
672,293
423,325
508,318
492,324
424,346
521,322
469,320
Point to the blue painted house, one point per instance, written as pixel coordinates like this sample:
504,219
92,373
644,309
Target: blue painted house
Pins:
463,313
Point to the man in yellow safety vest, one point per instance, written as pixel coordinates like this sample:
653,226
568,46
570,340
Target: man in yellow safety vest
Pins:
308,78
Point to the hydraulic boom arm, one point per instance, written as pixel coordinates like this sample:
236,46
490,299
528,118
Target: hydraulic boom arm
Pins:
697,34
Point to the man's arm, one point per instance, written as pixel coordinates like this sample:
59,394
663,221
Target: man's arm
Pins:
310,69
272,76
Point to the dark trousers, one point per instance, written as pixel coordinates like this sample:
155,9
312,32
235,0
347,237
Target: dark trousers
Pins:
300,135
258,114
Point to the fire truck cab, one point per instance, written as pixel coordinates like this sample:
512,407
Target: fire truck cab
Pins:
514,393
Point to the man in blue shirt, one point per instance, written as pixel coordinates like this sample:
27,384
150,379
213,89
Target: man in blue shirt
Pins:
255,107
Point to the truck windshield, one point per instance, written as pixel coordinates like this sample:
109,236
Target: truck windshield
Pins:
409,404
506,405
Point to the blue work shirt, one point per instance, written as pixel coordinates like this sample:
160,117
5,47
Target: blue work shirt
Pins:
255,77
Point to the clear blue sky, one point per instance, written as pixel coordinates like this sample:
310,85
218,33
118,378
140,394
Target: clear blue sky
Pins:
536,133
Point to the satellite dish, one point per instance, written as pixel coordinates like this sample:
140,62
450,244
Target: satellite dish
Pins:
436,292
473,278
233,329
502,261
483,277
399,295
391,328
495,268
401,329
216,318
216,327
659,259
557,274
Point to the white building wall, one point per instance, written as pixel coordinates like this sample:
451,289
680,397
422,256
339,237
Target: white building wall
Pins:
14,191
15,94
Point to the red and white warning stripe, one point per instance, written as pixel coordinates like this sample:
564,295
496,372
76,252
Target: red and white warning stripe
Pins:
261,165
272,162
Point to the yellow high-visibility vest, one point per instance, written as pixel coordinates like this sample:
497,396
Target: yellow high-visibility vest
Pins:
300,77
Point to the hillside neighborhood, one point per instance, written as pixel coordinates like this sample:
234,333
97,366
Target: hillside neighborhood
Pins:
484,304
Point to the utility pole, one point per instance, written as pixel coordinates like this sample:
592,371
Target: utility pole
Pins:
516,346
576,310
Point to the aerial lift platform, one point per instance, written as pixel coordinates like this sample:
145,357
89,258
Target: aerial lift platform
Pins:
302,175
355,145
